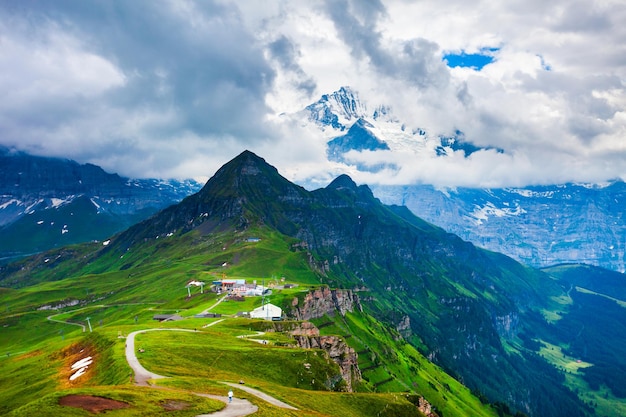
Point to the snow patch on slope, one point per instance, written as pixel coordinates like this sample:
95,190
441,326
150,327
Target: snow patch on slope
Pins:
483,213
10,202
57,202
530,193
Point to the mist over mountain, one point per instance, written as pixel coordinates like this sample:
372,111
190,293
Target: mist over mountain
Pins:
538,225
52,202
350,125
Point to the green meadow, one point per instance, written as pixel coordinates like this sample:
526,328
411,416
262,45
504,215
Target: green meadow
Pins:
45,323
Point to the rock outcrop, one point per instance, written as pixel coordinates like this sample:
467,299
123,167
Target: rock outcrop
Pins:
324,301
426,408
318,303
337,350
404,327
306,328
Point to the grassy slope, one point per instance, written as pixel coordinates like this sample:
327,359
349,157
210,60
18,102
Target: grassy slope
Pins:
389,364
121,293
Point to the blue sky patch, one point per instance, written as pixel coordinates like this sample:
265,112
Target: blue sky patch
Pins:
544,64
475,61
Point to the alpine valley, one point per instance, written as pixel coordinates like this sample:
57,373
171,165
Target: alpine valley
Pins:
383,313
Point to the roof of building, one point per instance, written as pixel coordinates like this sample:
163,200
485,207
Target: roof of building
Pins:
266,311
164,317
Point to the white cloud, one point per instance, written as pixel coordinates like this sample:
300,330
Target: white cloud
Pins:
178,88
52,63
50,81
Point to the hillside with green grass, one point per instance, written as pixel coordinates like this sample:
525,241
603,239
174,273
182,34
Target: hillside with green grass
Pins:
440,324
42,338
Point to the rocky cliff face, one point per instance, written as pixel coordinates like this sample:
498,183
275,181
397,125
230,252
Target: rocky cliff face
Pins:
316,304
404,327
539,226
337,350
426,408
336,110
324,301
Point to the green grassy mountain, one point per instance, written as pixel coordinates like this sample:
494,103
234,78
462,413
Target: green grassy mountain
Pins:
39,352
426,296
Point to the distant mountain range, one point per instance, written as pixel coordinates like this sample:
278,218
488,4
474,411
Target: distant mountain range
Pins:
539,225
47,202
51,202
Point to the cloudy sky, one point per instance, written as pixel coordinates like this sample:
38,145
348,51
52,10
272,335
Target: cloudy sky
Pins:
177,88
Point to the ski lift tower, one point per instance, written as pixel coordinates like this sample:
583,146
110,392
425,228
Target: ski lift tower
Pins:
194,284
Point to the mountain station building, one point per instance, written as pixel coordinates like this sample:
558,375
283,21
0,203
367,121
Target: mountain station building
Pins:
267,312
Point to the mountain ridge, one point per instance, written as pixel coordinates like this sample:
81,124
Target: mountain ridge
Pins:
415,268
480,315
51,202
537,225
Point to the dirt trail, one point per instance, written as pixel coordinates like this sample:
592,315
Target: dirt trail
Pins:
261,395
236,408
51,318
216,303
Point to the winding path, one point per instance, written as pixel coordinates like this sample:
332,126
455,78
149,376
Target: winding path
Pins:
82,326
261,395
51,318
236,408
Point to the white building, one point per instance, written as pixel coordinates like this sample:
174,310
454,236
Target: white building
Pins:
267,312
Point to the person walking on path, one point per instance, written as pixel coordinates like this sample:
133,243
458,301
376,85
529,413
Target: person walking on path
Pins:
230,396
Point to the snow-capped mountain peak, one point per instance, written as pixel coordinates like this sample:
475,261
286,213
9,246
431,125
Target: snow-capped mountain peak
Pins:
540,225
338,110
336,115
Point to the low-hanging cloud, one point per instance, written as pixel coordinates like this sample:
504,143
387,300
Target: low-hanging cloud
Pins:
137,73
286,54
176,88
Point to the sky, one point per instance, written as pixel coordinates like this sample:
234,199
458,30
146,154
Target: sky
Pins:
175,89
